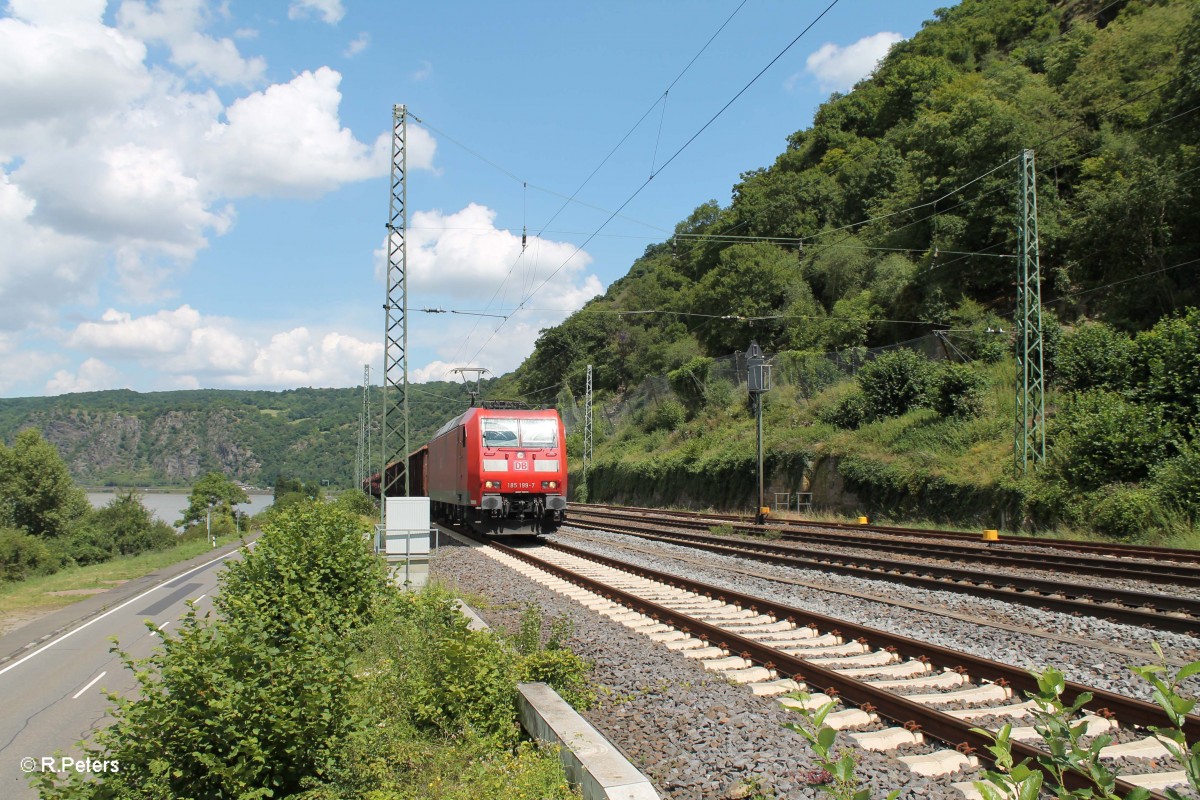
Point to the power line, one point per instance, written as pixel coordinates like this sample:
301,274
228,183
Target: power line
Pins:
1137,277
593,173
666,163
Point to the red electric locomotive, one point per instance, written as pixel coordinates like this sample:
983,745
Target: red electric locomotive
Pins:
499,471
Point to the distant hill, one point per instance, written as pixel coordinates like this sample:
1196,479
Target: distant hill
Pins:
126,438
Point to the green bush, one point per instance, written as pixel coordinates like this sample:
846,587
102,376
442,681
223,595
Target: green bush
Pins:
978,332
129,527
719,394
37,493
1168,366
552,663
313,562
287,500
1125,512
355,501
895,383
849,413
1102,438
959,391
22,555
1177,480
256,703
89,544
810,372
668,415
459,682
690,381
563,670
1095,356
220,525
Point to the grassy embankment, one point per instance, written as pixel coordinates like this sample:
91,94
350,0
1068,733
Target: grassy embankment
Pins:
21,601
918,468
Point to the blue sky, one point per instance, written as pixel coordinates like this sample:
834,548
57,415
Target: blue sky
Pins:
193,193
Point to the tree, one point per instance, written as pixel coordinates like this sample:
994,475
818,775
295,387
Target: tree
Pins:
1096,356
37,493
1101,438
958,391
357,502
130,526
750,281
216,492
1168,366
895,383
254,703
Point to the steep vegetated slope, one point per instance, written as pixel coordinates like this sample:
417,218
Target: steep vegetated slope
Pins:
894,214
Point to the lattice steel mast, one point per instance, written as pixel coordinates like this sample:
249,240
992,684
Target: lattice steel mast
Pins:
363,465
394,436
1029,441
360,454
587,434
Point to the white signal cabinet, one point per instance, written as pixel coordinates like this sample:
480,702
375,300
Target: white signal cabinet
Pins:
406,527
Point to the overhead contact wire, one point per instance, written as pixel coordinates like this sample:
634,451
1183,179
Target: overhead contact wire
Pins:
666,163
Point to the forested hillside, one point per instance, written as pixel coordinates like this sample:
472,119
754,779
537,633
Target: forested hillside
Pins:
895,211
124,438
894,216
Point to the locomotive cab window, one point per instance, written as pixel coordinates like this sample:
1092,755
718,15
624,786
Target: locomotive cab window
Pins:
500,432
539,433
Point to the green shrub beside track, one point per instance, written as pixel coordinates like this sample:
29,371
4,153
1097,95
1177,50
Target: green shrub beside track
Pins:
318,678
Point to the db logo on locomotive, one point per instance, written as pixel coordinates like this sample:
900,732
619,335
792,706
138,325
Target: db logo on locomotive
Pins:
519,466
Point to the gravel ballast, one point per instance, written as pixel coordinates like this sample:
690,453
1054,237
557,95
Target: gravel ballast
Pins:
694,734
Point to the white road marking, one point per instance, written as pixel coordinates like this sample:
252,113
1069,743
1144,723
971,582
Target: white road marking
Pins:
201,597
91,683
161,627
71,633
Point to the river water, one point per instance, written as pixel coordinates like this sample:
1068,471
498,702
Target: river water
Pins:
169,506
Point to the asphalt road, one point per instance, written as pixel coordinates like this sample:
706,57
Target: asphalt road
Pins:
55,671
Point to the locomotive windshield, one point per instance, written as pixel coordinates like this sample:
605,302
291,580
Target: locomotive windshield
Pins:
539,433
519,433
499,432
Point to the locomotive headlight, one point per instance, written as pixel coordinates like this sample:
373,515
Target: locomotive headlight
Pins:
549,484
491,484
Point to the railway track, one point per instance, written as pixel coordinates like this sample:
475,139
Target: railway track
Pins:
890,599
1151,610
1186,561
894,692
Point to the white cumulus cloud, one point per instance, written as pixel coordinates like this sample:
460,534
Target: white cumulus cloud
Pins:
39,266
189,349
287,140
23,366
300,357
178,24
462,262
330,11
120,160
839,68
120,333
357,45
465,253
92,375
59,66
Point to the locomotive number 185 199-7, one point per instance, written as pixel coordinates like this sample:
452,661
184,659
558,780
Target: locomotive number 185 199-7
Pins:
521,485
